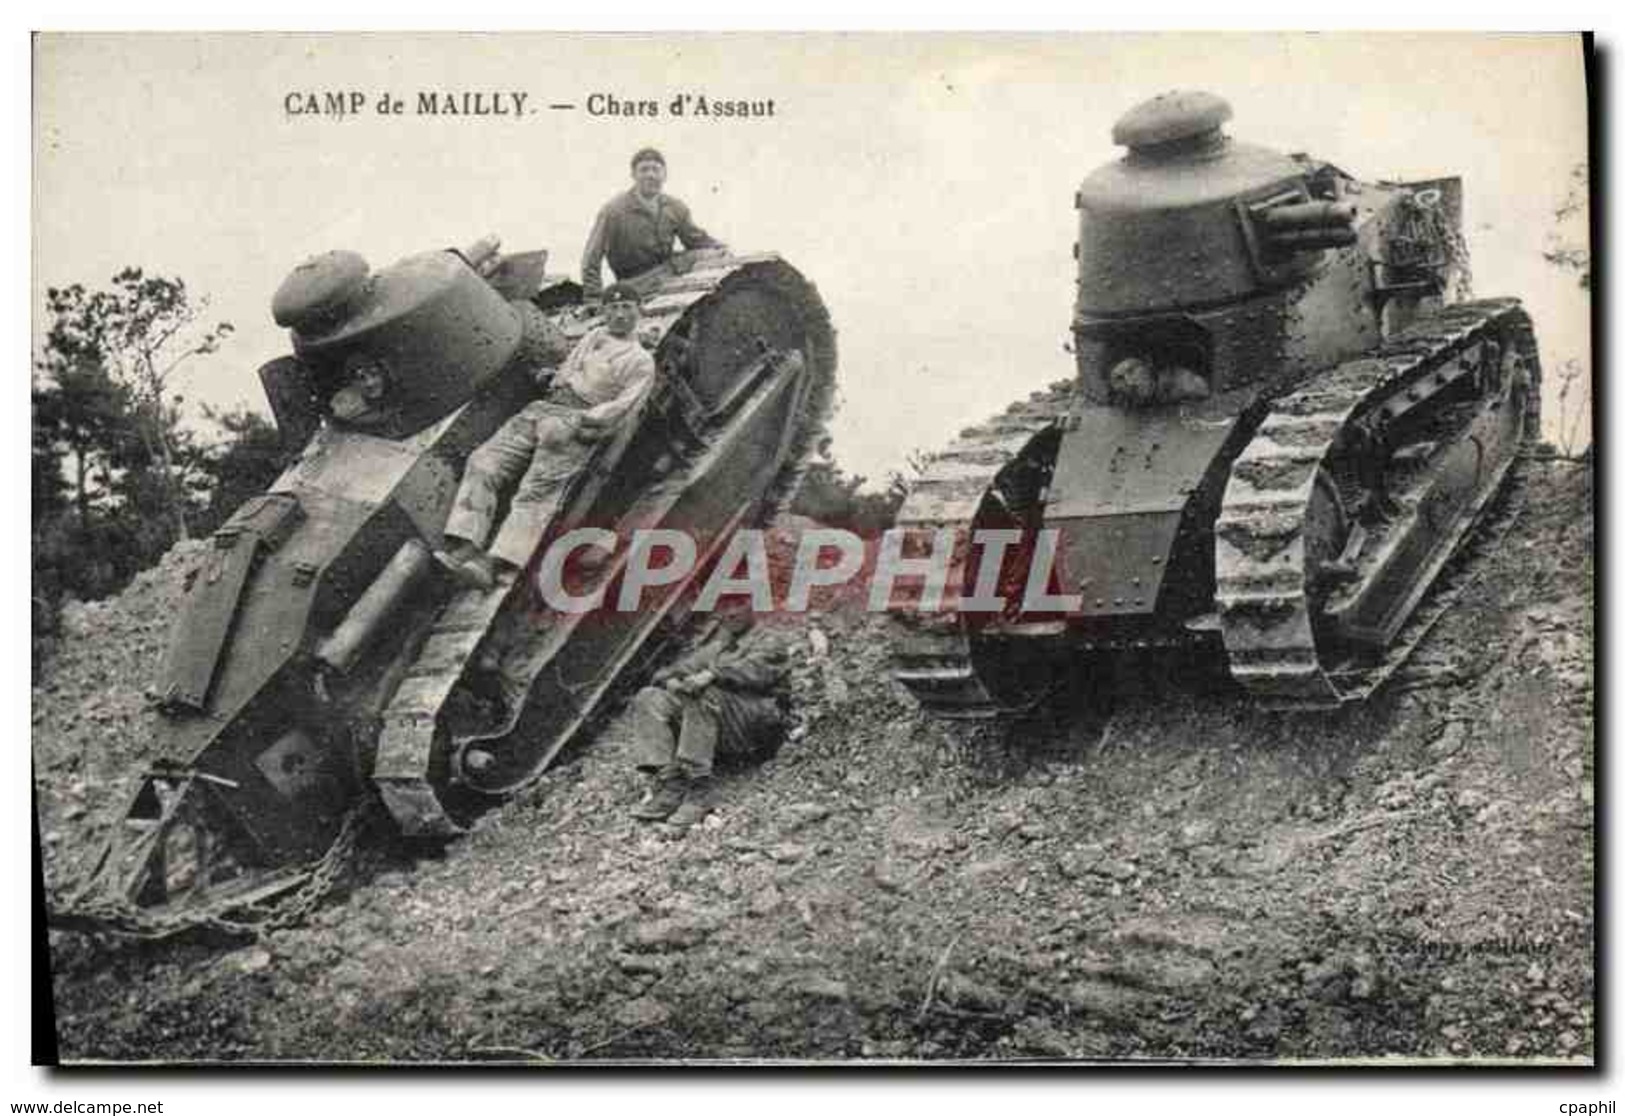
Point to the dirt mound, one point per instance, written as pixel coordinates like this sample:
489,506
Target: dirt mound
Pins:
92,727
1179,876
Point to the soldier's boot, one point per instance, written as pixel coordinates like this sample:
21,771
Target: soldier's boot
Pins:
671,786
455,552
478,572
697,803
469,564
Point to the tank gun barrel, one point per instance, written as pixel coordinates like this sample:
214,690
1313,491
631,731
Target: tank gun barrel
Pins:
1306,240
1307,226
1308,215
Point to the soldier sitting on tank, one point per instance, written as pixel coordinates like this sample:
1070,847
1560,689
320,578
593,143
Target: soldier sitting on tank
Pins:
635,229
729,698
545,445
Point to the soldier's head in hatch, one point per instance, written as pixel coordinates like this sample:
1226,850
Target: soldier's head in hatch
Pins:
366,382
648,171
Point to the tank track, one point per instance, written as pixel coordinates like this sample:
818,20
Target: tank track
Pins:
931,653
411,784
1266,614
680,295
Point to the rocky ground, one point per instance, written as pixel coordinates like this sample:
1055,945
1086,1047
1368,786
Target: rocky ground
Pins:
1178,876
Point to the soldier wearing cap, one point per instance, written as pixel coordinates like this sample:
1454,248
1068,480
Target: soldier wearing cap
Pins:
635,229
544,445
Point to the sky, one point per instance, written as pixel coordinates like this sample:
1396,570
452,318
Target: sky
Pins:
923,182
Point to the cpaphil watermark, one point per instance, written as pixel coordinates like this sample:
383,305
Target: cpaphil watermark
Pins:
1010,570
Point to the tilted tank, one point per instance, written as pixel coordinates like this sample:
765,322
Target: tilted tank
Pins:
323,658
1285,419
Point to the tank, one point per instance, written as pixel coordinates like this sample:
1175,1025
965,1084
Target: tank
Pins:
324,660
1287,415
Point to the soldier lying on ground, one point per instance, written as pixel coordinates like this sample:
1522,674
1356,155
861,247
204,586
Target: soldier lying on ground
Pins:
728,698
544,446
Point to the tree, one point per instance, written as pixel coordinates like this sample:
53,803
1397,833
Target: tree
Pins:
116,477
1568,247
1573,220
81,539
242,464
80,419
49,486
135,336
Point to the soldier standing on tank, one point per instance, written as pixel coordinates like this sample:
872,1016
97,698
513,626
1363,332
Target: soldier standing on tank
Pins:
729,697
635,229
545,445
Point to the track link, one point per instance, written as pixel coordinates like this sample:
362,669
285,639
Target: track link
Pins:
931,653
1266,613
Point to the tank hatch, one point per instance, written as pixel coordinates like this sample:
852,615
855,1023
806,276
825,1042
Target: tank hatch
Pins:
1180,118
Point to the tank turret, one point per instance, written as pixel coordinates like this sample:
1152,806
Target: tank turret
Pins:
1197,252
400,349
1159,228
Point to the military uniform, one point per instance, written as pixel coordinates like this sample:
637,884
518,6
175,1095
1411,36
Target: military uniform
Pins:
742,713
636,236
602,378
